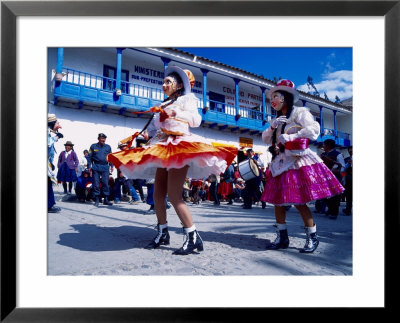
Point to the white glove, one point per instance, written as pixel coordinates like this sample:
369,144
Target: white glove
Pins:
280,120
285,138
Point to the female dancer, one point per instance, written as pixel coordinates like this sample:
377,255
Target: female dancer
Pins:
174,154
297,175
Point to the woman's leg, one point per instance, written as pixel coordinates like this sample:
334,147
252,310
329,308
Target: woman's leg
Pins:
280,214
160,192
176,178
310,228
306,214
282,239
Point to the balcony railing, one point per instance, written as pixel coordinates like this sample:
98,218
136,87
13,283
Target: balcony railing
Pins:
223,107
87,87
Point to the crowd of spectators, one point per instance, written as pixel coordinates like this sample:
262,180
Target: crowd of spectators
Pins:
227,187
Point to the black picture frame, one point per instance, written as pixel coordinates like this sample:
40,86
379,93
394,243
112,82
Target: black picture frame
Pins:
10,10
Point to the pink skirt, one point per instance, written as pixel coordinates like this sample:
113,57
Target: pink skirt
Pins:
300,186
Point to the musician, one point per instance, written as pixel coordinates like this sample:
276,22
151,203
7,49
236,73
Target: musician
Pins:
173,154
334,160
53,125
297,175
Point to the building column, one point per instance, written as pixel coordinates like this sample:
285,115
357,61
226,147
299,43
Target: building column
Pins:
60,59
264,106
237,98
204,71
334,122
321,121
166,62
119,68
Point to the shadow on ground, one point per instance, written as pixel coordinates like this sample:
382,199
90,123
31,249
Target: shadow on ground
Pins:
90,237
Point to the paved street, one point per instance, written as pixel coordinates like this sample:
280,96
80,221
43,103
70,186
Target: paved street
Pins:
109,240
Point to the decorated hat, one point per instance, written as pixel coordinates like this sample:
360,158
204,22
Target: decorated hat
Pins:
284,85
186,76
69,143
51,117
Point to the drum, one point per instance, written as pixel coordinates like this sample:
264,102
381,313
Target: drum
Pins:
248,169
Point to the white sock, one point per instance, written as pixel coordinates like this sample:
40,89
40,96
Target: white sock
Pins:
312,229
191,229
163,226
281,226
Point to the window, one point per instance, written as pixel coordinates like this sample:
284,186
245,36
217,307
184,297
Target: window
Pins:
110,74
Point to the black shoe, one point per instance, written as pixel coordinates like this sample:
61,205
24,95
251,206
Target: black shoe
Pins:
193,241
229,203
96,203
281,241
106,201
263,205
54,209
162,238
312,242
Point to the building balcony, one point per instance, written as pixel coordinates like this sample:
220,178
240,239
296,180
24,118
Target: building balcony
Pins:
86,89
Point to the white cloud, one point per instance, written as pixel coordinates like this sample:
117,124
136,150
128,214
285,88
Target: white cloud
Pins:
338,83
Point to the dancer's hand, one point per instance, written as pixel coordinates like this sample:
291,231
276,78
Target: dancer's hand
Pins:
280,120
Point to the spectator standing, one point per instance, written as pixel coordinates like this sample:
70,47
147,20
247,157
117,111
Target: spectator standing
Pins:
100,168
83,162
67,167
236,172
227,184
252,186
348,184
213,179
334,160
53,125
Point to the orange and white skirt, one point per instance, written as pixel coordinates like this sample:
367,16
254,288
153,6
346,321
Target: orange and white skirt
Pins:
174,151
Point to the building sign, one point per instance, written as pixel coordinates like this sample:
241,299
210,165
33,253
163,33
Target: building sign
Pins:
246,99
245,142
150,76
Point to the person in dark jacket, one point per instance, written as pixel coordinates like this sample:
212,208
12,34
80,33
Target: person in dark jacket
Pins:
100,168
334,160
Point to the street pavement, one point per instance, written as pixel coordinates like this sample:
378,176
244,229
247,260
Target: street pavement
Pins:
109,240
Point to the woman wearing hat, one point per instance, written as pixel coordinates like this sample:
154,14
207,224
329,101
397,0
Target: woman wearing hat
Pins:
173,154
297,175
67,167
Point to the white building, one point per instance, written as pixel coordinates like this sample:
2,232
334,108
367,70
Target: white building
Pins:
93,90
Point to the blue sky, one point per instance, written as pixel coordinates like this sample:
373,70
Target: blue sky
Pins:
330,68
